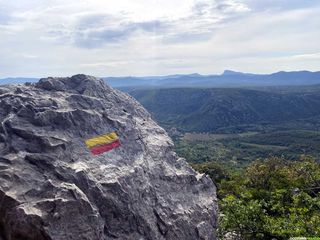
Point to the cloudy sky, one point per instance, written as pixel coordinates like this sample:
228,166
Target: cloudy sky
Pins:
157,37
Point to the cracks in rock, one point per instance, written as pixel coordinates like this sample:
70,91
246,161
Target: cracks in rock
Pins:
162,227
7,137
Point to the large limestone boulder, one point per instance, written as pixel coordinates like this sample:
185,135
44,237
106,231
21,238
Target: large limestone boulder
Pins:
52,187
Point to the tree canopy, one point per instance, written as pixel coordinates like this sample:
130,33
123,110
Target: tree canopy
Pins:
270,199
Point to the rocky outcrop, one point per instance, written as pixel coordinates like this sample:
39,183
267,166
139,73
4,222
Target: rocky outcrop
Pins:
52,187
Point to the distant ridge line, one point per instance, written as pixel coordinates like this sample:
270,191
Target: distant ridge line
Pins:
228,78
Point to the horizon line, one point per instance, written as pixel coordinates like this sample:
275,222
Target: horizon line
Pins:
167,75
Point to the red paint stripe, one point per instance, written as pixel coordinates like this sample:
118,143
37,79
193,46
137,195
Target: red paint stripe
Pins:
104,148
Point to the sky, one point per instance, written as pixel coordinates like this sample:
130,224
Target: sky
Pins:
40,38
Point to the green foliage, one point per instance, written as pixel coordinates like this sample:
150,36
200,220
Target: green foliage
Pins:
239,150
204,151
222,109
272,199
216,171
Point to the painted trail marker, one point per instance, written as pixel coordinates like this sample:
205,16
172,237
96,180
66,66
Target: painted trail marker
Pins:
103,143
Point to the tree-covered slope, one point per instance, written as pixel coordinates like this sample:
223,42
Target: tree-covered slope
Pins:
207,110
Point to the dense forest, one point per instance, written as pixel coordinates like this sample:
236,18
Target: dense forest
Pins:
229,110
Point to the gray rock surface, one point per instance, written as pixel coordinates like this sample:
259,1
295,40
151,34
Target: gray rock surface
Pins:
52,187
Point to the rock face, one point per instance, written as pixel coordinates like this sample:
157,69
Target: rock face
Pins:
52,187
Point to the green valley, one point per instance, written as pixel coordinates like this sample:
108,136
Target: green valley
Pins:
237,126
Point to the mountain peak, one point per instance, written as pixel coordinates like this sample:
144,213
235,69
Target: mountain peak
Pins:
230,72
80,83
195,75
68,83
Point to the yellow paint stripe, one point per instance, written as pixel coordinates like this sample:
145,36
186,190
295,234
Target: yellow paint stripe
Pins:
103,139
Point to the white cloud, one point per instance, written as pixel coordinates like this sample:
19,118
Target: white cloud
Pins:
306,57
146,37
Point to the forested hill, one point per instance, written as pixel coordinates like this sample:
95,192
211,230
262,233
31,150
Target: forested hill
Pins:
208,110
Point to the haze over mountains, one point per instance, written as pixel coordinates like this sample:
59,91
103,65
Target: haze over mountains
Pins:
17,80
227,79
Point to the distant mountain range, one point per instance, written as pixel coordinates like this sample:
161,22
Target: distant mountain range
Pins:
17,80
227,79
